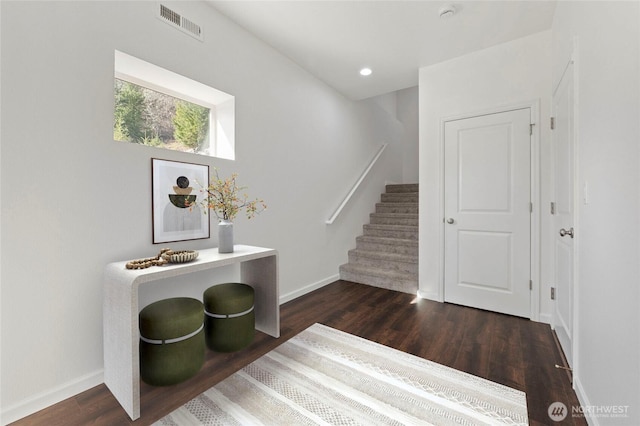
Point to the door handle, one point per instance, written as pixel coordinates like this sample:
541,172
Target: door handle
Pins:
450,221
564,232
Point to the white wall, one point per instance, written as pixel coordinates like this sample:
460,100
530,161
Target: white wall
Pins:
503,75
74,200
607,356
397,119
407,113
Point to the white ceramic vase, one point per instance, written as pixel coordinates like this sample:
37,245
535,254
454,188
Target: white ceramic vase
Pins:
225,236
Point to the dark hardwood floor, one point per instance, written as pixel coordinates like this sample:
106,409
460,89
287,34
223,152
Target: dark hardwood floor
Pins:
513,351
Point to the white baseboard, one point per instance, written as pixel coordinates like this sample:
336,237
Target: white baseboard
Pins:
583,400
308,289
545,318
429,296
45,399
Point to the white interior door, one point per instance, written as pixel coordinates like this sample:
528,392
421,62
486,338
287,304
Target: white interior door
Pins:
488,212
563,155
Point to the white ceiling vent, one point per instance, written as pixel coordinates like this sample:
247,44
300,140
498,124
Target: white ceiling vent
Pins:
178,21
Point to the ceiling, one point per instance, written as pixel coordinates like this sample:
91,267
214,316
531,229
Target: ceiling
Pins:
334,39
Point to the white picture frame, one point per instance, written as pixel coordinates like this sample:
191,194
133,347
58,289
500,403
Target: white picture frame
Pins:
176,211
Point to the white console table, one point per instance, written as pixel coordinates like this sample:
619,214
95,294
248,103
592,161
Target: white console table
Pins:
258,267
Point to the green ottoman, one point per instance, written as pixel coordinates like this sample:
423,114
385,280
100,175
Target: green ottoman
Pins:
172,346
229,316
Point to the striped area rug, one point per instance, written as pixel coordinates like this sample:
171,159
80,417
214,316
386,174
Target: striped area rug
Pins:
324,376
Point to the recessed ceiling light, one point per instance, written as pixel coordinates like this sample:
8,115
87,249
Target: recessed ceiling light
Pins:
365,71
447,11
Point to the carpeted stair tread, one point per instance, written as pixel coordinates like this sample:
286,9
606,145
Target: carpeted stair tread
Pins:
400,262
393,257
392,231
387,241
410,219
391,227
402,187
378,272
378,277
397,208
383,204
394,245
400,197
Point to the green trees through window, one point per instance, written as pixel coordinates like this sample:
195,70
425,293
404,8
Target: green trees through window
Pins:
190,124
152,118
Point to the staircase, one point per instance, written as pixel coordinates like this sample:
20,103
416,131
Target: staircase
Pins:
386,255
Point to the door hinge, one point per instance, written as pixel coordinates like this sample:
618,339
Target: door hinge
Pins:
553,293
553,207
552,123
530,207
530,285
531,129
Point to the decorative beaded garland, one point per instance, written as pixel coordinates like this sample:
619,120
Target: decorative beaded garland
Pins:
165,256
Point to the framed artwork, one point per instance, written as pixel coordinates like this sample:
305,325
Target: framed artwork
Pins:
177,215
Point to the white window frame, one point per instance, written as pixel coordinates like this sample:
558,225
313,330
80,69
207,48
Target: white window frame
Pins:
221,104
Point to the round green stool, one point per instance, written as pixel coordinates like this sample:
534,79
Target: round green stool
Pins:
172,346
229,316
